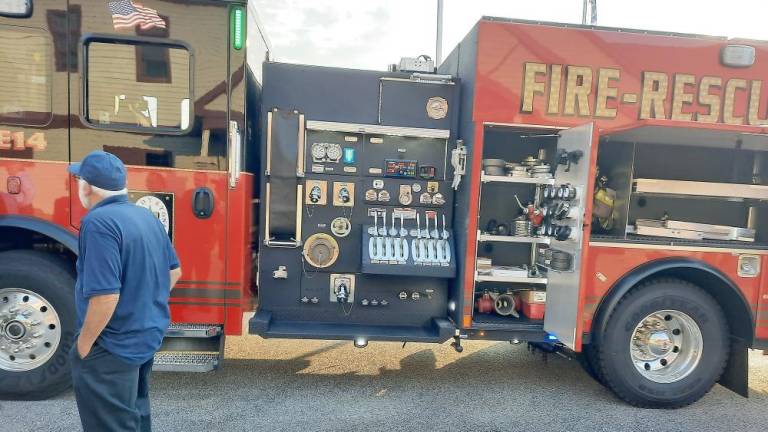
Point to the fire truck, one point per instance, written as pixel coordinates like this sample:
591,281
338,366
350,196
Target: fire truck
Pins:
588,190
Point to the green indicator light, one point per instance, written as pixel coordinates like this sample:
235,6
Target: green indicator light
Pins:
237,28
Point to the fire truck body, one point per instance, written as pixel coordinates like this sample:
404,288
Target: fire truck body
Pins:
166,96
586,189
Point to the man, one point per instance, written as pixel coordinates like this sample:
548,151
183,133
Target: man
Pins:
125,271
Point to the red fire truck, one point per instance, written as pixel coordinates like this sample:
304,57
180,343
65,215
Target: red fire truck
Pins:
591,190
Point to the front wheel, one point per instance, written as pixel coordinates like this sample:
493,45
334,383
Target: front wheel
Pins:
37,320
665,345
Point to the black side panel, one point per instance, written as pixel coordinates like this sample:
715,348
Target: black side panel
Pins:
398,107
283,180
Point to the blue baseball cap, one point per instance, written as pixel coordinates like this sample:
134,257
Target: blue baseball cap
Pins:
101,169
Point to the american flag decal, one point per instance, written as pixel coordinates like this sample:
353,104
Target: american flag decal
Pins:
128,15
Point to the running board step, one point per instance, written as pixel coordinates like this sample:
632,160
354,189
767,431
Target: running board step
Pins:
193,330
177,361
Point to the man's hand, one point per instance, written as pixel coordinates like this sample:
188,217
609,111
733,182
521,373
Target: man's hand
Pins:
82,349
100,310
175,276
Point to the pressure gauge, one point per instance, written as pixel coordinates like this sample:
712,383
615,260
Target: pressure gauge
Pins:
333,152
319,151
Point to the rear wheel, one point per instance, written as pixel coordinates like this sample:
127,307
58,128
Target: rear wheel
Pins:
37,320
665,345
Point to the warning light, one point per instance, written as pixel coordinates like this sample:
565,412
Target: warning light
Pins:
237,28
551,338
349,155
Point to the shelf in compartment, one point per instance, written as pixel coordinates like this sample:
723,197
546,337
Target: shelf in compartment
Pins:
485,178
482,237
510,279
700,189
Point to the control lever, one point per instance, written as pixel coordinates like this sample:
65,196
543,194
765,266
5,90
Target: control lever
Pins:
393,231
417,244
389,253
435,232
372,240
445,231
383,229
403,231
431,255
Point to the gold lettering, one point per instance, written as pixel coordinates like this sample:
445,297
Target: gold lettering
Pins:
577,89
730,96
754,105
555,75
680,98
655,86
531,87
5,140
605,92
712,101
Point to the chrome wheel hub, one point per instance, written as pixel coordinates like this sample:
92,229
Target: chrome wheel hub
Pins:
666,346
30,330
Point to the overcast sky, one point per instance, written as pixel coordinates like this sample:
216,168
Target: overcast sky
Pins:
370,34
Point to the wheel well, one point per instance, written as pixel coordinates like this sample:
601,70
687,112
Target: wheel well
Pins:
716,284
15,238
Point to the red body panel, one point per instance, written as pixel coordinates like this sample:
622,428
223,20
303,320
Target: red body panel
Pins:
44,190
504,48
606,265
708,95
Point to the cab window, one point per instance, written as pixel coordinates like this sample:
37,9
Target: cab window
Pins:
137,85
25,76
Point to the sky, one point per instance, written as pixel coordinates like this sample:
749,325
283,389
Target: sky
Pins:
370,34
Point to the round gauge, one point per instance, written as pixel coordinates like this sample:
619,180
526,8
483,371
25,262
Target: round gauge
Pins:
341,226
384,196
319,151
334,152
437,108
416,187
158,209
321,250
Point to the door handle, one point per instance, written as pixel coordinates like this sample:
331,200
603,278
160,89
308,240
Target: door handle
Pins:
202,203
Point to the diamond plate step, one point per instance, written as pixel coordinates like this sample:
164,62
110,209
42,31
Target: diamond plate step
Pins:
193,330
179,361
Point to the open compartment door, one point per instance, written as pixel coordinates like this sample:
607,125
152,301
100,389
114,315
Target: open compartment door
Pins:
575,173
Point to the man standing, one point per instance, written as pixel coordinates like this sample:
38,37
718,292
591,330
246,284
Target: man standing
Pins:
126,269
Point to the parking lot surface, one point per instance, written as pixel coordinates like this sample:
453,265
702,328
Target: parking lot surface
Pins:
275,385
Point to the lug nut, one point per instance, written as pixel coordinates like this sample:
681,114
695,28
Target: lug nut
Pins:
13,309
35,323
27,313
36,335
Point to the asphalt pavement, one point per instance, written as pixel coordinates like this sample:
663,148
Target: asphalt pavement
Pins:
295,385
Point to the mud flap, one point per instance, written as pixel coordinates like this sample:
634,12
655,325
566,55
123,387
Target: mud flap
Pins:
736,374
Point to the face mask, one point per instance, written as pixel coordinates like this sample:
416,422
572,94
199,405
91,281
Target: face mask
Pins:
81,192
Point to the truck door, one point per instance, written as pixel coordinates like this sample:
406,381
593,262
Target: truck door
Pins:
574,181
34,121
153,89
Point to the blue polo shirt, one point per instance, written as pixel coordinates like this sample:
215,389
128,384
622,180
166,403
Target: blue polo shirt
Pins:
125,250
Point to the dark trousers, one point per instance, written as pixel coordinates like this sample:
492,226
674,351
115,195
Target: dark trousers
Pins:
112,395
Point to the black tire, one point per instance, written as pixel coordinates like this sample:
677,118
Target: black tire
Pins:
588,361
613,354
53,278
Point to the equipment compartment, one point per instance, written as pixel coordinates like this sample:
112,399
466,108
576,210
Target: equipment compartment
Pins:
658,184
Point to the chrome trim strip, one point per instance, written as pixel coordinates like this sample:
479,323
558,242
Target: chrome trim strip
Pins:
377,129
302,137
269,145
711,249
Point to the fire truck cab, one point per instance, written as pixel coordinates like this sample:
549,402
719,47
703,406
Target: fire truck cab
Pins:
579,188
